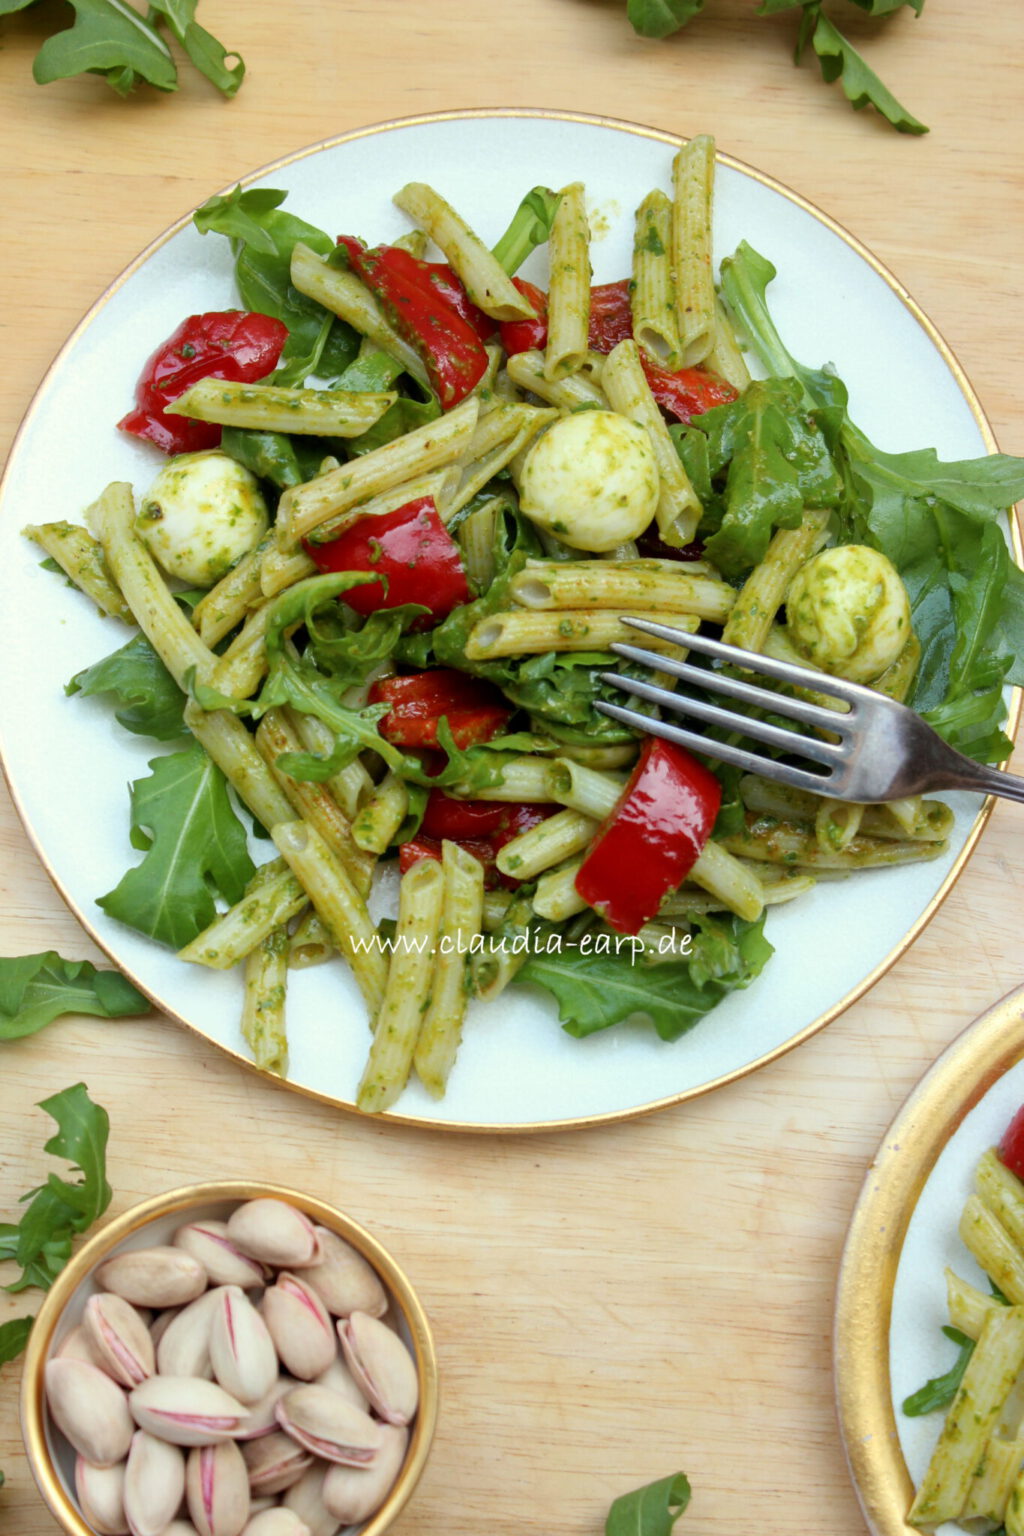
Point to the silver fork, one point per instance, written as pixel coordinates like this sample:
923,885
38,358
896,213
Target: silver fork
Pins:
879,750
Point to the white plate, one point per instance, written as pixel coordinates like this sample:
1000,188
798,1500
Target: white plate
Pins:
69,767
891,1301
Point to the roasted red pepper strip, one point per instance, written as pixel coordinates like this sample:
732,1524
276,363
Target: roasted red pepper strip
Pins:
652,839
439,278
421,847
1011,1146
464,822
412,548
611,317
527,335
454,355
474,710
230,344
688,393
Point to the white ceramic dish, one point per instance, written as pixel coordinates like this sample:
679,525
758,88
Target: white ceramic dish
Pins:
68,763
891,1304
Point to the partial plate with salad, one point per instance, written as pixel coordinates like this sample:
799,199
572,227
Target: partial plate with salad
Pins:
462,685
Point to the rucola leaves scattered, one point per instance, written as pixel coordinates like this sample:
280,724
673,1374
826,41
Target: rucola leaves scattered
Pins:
36,989
649,1511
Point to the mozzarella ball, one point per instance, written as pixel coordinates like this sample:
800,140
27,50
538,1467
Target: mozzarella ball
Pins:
202,513
592,480
848,612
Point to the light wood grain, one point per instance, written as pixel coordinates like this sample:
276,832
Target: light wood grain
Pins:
612,1305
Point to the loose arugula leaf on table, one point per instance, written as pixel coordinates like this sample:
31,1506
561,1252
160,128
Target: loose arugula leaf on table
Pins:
61,1208
649,1511
13,1338
595,990
36,989
195,845
940,1391
660,18
113,39
937,522
151,703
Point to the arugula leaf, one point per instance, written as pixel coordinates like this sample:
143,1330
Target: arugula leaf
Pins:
940,1391
194,843
597,989
13,1338
263,237
61,1208
649,1511
530,227
36,989
840,61
151,701
207,54
660,18
108,37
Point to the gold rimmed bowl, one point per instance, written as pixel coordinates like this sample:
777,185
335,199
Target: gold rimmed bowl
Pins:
51,1457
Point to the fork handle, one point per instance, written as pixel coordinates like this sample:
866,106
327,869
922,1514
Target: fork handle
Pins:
979,777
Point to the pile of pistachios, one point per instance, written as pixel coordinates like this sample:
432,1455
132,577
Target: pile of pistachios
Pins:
241,1381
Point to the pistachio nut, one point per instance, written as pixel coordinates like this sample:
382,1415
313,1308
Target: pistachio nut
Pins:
100,1494
91,1410
274,1462
153,1277
162,1321
382,1366
120,1338
184,1346
217,1489
180,1527
242,1352
274,1232
258,1505
276,1522
154,1484
186,1410
262,1417
328,1426
340,1379
77,1345
223,1260
306,1499
299,1325
345,1280
353,1494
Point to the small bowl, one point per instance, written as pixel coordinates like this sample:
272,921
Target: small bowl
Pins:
49,1455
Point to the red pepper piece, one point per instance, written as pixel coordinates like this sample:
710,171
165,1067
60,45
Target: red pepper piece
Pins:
482,827
653,837
1011,1147
446,816
421,847
229,344
474,710
611,317
454,355
412,548
441,279
688,393
527,335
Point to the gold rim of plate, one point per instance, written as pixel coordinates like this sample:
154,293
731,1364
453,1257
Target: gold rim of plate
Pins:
949,1090
33,1408
673,141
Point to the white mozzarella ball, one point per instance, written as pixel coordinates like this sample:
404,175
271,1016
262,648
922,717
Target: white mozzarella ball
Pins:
202,513
592,480
847,611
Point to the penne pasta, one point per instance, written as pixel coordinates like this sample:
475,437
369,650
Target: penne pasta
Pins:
344,295
485,280
626,585
524,632
569,285
381,815
551,842
461,922
693,182
652,294
764,590
272,898
81,558
226,740
629,393
263,1020
270,408
526,369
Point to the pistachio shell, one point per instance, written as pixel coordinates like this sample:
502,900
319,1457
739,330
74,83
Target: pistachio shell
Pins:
77,1345
186,1410
328,1426
223,1260
162,1321
120,1337
242,1352
305,1499
274,1232
154,1484
340,1379
353,1494
91,1410
184,1347
345,1280
100,1494
217,1489
181,1527
276,1522
262,1415
300,1326
382,1366
274,1461
153,1277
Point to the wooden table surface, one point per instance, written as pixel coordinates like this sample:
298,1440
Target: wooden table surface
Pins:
615,1304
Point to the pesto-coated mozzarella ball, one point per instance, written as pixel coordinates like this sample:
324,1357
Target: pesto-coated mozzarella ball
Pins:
202,513
848,612
592,480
